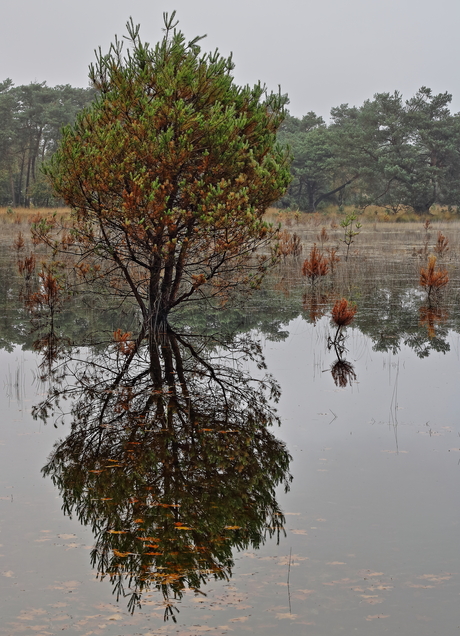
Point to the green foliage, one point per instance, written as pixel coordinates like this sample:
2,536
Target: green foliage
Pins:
31,118
170,171
387,152
352,228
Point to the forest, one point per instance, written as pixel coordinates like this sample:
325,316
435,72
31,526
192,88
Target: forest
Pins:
395,153
31,120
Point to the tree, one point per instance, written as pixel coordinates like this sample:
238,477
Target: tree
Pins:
170,171
308,140
31,118
404,153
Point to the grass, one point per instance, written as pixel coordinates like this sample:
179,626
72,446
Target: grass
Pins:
385,255
383,244
13,220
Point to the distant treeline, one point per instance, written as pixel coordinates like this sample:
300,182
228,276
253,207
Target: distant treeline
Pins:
31,119
387,152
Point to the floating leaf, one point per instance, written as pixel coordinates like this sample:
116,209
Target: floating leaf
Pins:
117,532
121,554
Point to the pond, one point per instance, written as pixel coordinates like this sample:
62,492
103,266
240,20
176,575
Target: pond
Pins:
173,499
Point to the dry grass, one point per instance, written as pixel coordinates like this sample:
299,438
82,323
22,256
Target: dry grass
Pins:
13,220
381,238
386,254
384,243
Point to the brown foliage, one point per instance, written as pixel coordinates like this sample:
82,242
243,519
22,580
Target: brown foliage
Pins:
442,244
26,267
343,313
125,344
332,257
288,244
430,316
315,305
431,278
316,265
48,295
19,242
323,236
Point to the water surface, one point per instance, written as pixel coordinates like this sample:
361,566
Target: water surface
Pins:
371,520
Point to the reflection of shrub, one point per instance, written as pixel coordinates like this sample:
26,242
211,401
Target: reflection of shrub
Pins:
343,373
315,265
431,278
315,305
430,316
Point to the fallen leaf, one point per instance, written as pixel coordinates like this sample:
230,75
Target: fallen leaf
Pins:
121,554
436,578
371,618
280,616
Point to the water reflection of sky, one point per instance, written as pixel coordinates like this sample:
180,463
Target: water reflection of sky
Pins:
372,517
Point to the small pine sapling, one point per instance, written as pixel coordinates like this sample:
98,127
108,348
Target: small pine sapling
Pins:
433,279
332,257
352,227
322,237
442,245
315,266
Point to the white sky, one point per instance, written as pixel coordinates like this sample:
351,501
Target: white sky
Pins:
322,52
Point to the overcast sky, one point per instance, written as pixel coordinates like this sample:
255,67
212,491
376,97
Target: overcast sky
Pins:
322,52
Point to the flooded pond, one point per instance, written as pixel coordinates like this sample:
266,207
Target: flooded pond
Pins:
170,487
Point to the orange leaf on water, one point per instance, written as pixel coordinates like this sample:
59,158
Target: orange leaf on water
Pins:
121,554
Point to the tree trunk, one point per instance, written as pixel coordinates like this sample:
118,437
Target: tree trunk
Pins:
339,189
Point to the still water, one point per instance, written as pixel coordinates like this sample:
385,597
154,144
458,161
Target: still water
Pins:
365,541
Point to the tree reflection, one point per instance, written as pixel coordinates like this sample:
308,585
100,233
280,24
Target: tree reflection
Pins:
431,317
169,460
342,315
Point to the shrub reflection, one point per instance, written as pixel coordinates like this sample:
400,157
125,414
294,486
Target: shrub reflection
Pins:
169,460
